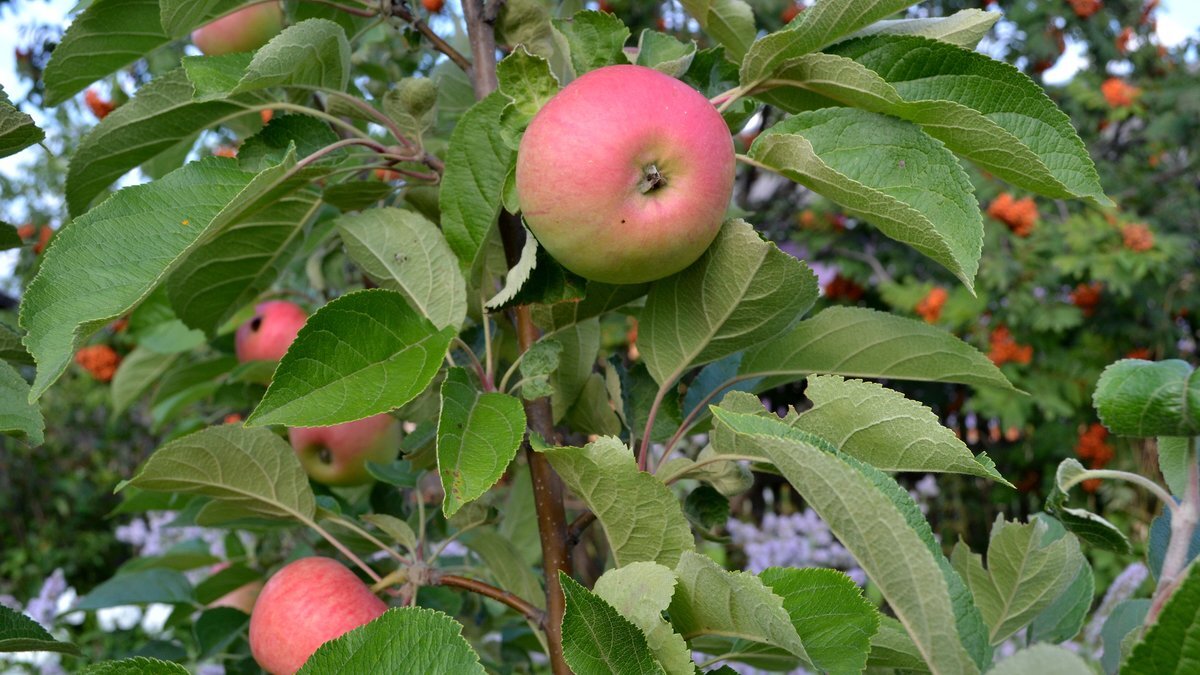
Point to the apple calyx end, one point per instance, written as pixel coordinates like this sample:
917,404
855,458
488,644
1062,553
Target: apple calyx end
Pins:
652,179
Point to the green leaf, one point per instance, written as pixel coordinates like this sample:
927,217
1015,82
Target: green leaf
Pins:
964,28
1149,398
159,116
883,529
410,105
1082,523
887,172
727,477
742,291
400,531
664,53
1173,462
706,507
477,162
356,195
138,665
983,109
1065,616
1024,574
404,641
641,592
1124,623
527,80
9,238
1169,646
11,349
640,516
1043,659
596,39
313,54
247,472
105,37
818,26
364,353
721,612
141,369
19,633
17,130
478,436
402,251
834,620
592,412
580,344
729,22
217,628
225,581
107,261
860,342
18,415
599,641
505,564
891,647
178,17
537,279
242,261
140,588
598,299
886,430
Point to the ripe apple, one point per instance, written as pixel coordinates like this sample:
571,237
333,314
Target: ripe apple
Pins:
267,336
625,175
337,455
304,605
241,31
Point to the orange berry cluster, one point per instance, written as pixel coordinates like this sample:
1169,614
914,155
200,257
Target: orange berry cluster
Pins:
1085,8
99,360
1123,38
1137,237
44,233
1005,349
99,107
1119,93
930,306
1020,215
1094,449
1142,353
1087,296
841,288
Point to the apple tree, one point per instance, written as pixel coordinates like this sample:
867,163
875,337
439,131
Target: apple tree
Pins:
451,453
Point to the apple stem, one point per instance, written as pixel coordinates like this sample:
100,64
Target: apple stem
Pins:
345,551
652,179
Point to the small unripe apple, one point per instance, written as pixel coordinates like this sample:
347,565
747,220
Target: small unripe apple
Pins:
433,6
625,175
267,336
304,605
242,31
337,455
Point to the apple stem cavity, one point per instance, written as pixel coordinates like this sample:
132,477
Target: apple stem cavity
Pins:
652,180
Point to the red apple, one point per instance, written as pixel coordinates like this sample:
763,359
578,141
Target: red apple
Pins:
242,597
242,31
625,175
267,336
304,605
338,455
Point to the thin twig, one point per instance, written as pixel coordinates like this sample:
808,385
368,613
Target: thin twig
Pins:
480,371
530,612
345,551
578,527
404,13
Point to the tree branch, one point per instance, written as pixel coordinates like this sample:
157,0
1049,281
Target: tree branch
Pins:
547,488
401,10
500,595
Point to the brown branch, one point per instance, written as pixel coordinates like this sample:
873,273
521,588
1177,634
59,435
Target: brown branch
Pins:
500,595
401,10
578,527
547,487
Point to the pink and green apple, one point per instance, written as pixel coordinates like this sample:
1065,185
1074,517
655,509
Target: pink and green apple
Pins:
245,30
304,605
267,336
625,175
337,455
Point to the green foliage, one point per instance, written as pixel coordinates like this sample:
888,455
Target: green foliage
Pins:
19,633
400,641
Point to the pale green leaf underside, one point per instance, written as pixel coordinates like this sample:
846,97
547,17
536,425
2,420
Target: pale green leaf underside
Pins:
820,25
141,369
314,54
1043,658
404,641
873,529
641,518
886,430
742,291
477,437
865,343
729,22
248,472
641,592
964,28
362,354
506,564
403,251
597,640
886,171
180,16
